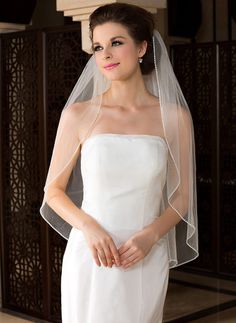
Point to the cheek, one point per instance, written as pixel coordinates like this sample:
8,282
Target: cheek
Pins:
129,52
98,59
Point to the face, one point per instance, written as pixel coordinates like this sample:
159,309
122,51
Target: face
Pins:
116,53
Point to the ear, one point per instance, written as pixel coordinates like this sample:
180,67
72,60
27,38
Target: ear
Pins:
142,48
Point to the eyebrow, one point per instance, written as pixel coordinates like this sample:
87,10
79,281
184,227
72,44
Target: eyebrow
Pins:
97,43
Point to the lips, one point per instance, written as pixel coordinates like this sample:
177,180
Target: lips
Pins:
111,66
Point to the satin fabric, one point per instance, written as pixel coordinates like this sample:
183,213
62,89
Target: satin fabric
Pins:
123,179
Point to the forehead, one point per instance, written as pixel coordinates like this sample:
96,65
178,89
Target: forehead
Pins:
109,30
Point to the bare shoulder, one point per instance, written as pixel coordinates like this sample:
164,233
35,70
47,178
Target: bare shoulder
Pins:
76,109
72,118
185,116
78,117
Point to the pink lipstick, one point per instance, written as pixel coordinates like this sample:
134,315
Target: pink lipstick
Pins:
110,66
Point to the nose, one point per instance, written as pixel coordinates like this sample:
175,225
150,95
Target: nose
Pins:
106,54
106,57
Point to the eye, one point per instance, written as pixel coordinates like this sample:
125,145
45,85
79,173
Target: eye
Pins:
116,43
97,48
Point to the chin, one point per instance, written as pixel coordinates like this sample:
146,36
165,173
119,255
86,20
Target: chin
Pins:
118,76
110,78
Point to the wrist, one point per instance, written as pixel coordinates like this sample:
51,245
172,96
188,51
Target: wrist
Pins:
84,220
152,231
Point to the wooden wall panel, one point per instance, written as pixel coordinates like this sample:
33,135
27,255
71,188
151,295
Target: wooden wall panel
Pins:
207,75
38,72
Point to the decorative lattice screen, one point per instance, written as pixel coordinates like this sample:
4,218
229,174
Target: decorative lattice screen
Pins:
38,71
207,74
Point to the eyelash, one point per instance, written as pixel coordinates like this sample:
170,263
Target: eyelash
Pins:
95,49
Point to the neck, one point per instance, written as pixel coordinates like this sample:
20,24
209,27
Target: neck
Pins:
130,93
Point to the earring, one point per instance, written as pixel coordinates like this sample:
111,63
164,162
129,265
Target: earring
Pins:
140,60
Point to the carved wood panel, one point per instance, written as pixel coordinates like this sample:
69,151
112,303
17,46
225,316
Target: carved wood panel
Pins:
209,88
227,147
20,220
39,70
64,63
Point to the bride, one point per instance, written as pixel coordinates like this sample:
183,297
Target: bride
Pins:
125,140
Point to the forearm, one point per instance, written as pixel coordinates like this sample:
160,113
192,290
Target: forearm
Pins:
66,209
164,223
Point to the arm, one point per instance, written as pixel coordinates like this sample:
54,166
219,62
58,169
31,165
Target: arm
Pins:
139,245
163,224
65,155
59,201
179,201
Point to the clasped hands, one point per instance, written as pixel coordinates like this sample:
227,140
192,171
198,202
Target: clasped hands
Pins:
104,249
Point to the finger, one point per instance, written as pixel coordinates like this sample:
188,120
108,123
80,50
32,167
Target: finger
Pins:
129,257
115,253
95,256
107,252
123,249
102,256
131,263
128,253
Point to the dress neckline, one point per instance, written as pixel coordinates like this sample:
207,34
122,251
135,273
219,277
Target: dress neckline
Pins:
155,137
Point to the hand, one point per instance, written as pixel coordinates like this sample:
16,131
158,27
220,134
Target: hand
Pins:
100,243
137,247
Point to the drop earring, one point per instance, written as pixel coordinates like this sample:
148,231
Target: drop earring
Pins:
140,60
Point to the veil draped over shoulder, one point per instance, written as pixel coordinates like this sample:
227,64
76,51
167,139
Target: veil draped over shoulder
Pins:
180,188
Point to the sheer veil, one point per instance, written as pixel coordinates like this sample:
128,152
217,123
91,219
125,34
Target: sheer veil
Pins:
180,188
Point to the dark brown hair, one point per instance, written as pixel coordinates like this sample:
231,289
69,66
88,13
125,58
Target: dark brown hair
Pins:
139,24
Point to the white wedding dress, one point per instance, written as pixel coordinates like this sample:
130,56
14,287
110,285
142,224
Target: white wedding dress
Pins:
123,177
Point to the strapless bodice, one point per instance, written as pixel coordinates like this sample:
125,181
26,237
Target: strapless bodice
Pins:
123,178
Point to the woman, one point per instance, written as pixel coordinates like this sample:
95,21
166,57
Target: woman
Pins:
127,130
